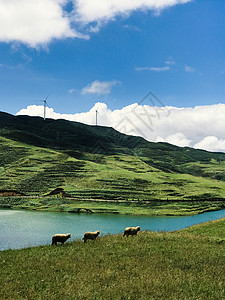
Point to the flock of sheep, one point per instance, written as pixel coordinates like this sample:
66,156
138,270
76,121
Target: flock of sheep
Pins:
62,238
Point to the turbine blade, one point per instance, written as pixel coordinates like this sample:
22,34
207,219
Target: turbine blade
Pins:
47,96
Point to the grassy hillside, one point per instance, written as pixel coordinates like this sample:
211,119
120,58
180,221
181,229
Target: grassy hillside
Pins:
75,138
181,265
34,171
74,161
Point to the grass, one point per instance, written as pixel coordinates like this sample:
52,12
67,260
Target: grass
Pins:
213,229
188,264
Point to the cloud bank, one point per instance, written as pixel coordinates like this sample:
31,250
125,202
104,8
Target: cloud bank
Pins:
88,11
37,23
199,127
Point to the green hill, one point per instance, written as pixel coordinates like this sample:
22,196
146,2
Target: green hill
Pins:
83,162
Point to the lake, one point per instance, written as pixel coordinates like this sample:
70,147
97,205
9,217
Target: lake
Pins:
20,228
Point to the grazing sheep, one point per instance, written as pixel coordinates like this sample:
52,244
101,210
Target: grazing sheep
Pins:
90,235
60,238
131,231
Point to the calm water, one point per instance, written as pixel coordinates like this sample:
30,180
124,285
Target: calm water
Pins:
19,228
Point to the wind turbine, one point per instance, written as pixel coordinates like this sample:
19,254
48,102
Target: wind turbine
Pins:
45,104
96,112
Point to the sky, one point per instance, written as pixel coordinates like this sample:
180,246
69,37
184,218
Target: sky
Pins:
154,68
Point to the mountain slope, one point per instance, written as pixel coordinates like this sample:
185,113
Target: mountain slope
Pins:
89,162
76,138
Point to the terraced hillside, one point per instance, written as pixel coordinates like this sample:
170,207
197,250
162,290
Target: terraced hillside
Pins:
40,157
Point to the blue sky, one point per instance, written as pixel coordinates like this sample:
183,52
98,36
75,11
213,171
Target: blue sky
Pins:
84,53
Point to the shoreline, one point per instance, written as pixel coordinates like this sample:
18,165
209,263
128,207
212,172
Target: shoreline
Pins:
102,206
78,240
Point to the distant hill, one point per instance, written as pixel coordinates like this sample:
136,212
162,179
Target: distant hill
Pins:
38,156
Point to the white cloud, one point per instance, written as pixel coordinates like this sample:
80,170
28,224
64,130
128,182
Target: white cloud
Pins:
211,143
200,127
154,69
88,11
168,64
34,22
131,27
178,139
37,23
170,61
189,69
85,117
99,87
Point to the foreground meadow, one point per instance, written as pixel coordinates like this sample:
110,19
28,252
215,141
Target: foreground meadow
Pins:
188,264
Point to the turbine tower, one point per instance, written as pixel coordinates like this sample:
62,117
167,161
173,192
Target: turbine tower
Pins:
96,117
45,104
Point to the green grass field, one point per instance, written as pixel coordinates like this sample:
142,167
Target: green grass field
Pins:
188,264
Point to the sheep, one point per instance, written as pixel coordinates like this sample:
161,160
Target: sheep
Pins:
131,231
90,235
60,238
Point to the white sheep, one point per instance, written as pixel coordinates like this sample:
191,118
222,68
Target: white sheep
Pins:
131,231
60,238
90,235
